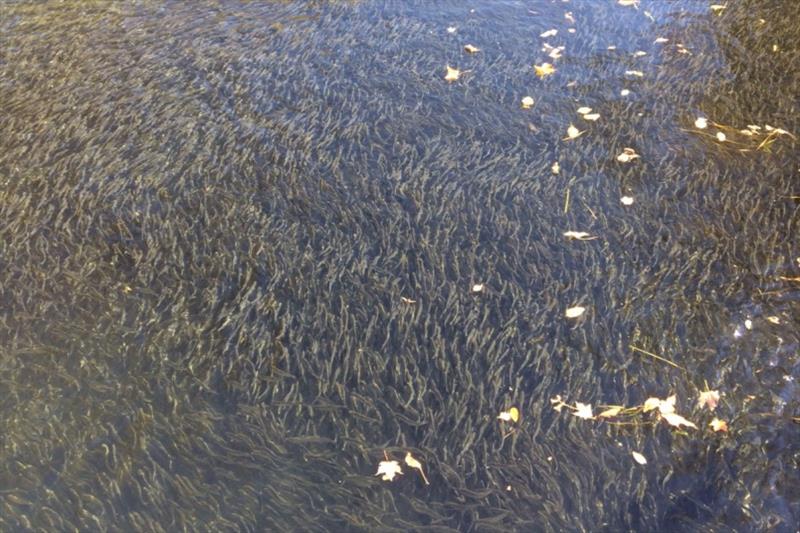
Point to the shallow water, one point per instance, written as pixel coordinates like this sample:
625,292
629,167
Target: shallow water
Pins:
212,212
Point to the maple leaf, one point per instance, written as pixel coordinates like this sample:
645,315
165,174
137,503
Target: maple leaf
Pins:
719,425
452,74
389,469
709,398
545,69
583,410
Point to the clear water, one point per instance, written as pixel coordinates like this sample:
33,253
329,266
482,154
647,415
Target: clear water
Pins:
212,212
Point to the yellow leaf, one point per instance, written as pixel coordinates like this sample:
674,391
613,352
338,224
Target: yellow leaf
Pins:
413,463
452,74
584,110
639,458
545,69
514,412
719,425
527,102
574,312
471,49
609,413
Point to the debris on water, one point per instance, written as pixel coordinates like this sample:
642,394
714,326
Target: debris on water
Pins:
627,155
470,49
584,110
527,102
452,74
414,463
389,469
579,235
512,415
545,69
583,410
574,312
548,33
573,132
639,458
719,425
708,398
701,123
478,287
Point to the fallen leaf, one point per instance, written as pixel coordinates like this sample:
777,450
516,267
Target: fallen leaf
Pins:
701,123
721,137
527,102
583,410
413,463
626,200
719,425
591,116
676,420
478,287
668,406
471,49
574,312
545,69
451,29
628,154
573,132
452,74
557,402
716,8
388,469
609,413
555,168
624,92
774,319
548,33
661,40
584,110
569,17
650,404
580,235
512,415
709,398
639,53
407,300
626,3
637,73
639,458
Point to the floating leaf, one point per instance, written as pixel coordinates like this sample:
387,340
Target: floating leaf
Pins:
555,168
661,40
527,102
628,154
709,398
609,413
639,458
584,110
591,116
650,404
624,92
478,287
388,469
471,49
677,420
583,410
721,137
452,74
774,319
413,463
717,8
573,132
626,200
451,29
548,33
407,300
580,235
574,312
634,3
545,69
512,415
719,425
701,123
637,73
557,402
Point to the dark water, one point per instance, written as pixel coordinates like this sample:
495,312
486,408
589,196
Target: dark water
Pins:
210,211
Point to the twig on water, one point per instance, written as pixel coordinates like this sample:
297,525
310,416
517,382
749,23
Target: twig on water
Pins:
654,356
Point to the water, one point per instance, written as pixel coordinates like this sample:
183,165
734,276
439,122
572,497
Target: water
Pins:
212,212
